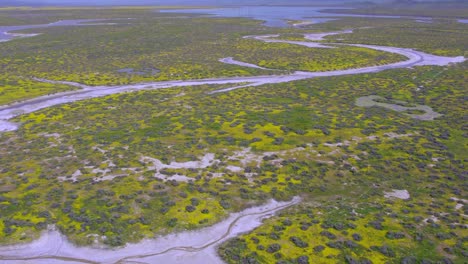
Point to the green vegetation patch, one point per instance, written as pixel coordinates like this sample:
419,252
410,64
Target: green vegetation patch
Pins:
136,165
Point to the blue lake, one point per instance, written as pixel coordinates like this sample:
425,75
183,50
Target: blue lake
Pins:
274,16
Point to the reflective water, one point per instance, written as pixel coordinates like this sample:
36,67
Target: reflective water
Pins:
274,16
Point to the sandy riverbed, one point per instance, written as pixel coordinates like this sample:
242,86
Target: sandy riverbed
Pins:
198,246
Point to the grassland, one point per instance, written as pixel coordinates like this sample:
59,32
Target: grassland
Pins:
90,167
159,47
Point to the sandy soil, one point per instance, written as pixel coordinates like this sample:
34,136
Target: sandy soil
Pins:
157,166
400,194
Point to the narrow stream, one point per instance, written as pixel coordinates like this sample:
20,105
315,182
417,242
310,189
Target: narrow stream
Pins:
198,246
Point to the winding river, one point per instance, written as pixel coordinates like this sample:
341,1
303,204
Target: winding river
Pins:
415,58
195,246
